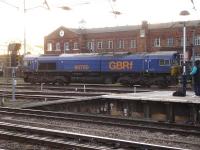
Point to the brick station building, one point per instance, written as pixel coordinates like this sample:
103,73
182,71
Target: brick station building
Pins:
137,38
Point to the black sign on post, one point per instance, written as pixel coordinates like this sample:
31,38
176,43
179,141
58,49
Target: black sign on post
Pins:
13,48
13,60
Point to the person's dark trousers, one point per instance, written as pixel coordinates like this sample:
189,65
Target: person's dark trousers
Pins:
197,89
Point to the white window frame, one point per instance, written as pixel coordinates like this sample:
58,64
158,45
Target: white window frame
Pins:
75,46
170,41
197,40
90,45
157,42
133,44
121,44
100,45
110,44
57,46
49,46
66,46
187,42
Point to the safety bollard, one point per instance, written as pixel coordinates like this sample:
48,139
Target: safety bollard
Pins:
135,88
2,101
41,86
84,88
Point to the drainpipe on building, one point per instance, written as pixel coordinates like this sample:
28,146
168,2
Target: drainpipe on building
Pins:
193,48
143,34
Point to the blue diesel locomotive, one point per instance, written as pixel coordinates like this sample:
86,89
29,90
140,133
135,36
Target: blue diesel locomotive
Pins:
146,69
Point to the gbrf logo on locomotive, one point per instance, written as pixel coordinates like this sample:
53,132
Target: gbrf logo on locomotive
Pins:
120,65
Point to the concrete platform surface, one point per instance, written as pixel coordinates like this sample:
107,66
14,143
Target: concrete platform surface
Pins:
162,96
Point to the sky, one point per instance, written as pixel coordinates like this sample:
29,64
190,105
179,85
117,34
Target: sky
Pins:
38,21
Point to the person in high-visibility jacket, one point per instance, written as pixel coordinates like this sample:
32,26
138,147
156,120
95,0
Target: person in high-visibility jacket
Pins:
195,72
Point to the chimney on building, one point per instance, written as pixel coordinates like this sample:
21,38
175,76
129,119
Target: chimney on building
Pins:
144,24
143,36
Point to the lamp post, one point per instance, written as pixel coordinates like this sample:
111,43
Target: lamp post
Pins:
184,80
24,27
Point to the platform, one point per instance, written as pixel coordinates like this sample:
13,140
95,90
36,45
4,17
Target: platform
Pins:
158,96
153,105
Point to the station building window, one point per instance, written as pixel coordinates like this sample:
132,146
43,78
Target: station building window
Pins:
170,41
57,46
197,40
66,46
49,46
121,44
157,42
187,41
133,44
110,44
181,41
100,44
75,46
90,46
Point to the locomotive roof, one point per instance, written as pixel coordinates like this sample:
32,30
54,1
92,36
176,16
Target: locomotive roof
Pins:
160,54
163,53
30,57
80,54
96,56
51,58
120,54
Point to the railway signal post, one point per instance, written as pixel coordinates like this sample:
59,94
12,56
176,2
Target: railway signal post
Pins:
13,48
14,82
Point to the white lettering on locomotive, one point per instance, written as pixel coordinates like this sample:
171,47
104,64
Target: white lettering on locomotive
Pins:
81,67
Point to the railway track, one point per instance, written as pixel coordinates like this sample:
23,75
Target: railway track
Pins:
64,140
81,88
39,95
50,117
107,120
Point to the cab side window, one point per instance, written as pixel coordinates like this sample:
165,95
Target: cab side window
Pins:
164,62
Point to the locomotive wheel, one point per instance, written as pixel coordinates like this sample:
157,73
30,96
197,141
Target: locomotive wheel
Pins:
125,81
108,80
162,86
58,82
33,82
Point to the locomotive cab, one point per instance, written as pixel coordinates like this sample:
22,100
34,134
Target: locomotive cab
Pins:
29,67
30,64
